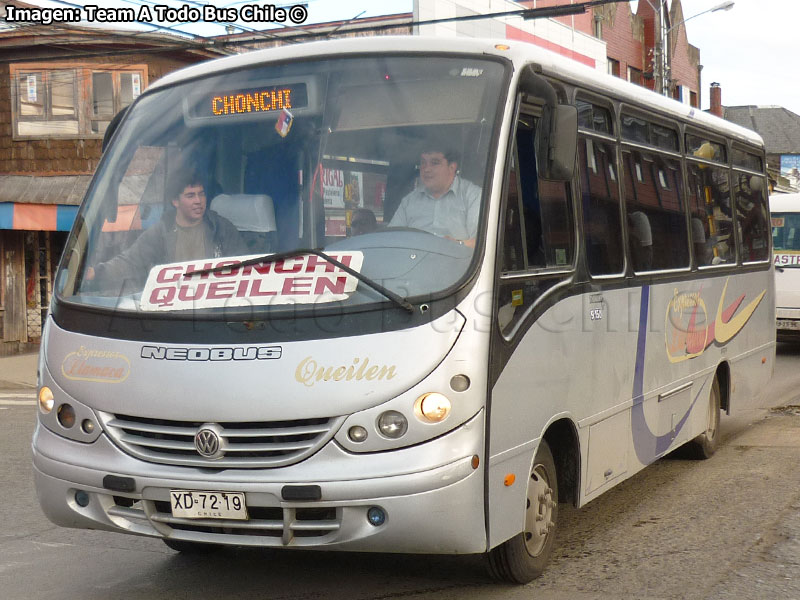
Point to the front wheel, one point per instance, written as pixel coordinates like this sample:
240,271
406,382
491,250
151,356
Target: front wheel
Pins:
705,444
524,557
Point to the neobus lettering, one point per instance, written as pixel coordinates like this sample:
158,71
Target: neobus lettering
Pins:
211,354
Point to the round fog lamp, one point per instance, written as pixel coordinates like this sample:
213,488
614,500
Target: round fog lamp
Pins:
82,498
66,416
357,434
376,516
87,426
459,383
46,399
392,424
433,407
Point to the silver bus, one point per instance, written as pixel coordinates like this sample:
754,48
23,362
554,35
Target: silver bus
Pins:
440,288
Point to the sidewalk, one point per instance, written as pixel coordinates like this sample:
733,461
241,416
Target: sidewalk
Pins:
18,372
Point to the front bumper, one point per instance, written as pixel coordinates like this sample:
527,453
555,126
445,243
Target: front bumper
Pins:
787,323
431,494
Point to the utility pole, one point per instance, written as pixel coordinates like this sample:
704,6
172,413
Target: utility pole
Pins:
661,58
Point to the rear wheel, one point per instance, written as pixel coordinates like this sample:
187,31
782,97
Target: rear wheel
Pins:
185,547
525,556
705,444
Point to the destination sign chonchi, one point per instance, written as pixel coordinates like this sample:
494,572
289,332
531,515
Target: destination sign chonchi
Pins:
267,99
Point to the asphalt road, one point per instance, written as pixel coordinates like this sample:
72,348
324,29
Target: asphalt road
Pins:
724,528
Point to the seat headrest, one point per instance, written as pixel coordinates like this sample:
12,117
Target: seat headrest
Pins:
248,212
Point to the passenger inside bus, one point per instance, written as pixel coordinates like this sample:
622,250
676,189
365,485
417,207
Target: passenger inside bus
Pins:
702,250
641,241
186,231
363,221
443,204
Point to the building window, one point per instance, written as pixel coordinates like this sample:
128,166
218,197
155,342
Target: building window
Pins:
613,67
634,75
47,102
71,100
111,92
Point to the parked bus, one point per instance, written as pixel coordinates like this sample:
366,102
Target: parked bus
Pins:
786,253
589,293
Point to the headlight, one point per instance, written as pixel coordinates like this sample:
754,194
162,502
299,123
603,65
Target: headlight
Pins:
433,407
357,434
66,416
46,399
392,424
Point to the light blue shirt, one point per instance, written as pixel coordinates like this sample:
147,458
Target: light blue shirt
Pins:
455,213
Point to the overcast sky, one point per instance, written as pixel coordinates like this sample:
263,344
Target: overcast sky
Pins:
749,49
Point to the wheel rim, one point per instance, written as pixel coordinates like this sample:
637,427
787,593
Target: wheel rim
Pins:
539,516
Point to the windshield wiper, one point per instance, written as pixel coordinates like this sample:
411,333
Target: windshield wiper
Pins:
269,258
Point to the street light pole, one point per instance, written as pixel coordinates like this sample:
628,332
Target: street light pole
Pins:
662,58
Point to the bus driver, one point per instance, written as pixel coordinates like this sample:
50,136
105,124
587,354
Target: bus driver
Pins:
444,204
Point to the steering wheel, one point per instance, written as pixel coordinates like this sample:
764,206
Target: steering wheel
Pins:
413,229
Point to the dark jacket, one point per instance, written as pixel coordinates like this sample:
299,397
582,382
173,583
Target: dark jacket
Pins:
156,246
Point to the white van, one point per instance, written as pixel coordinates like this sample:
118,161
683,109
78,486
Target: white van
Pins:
786,254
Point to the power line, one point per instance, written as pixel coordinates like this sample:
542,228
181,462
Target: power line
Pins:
526,14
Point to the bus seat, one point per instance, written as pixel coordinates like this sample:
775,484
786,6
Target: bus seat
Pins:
641,240
253,215
274,170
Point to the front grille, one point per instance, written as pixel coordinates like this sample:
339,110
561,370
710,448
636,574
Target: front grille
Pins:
284,523
246,445
266,526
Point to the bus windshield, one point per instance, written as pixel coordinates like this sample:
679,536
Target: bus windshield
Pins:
786,239
381,163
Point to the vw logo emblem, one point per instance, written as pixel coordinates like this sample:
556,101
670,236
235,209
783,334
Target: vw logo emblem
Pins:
207,443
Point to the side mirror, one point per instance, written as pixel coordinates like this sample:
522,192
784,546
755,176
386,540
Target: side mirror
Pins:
112,127
557,131
563,144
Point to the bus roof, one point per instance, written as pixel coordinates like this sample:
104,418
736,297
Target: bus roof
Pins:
520,53
784,203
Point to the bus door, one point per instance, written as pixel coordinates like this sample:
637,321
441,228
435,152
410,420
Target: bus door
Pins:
536,259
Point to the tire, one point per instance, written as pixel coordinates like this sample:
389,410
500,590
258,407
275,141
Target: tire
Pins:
705,444
191,548
524,557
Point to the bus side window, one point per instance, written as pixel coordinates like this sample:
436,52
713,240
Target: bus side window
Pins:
538,235
751,216
656,217
710,206
601,207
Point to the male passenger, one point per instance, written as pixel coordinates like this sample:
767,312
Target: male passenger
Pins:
186,233
363,221
444,203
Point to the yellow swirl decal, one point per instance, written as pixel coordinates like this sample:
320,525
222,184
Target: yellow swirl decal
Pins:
99,366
